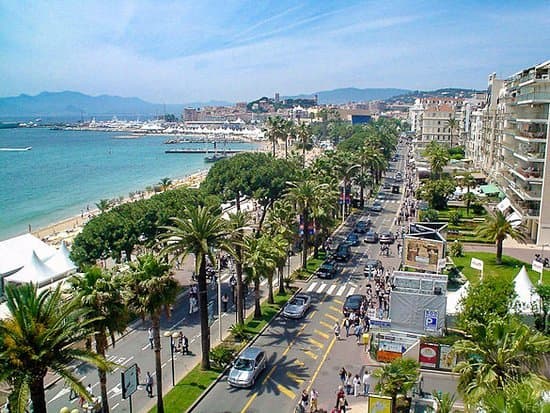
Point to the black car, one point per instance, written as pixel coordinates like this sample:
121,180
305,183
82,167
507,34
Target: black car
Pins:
353,304
328,269
387,237
361,227
352,239
343,252
370,266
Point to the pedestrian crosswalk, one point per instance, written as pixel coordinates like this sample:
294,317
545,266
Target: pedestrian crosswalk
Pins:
332,289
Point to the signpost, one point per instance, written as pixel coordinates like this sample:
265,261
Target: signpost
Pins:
538,267
129,382
430,320
477,264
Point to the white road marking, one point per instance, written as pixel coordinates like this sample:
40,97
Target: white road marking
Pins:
321,288
351,291
60,393
115,406
331,289
340,290
311,287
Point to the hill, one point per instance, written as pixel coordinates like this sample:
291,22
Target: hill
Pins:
71,104
351,94
410,96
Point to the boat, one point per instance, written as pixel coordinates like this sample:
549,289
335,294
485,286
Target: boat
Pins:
9,125
28,148
214,158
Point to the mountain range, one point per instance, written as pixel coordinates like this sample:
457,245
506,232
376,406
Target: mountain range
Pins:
352,94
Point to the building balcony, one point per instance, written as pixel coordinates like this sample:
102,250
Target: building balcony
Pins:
530,157
536,97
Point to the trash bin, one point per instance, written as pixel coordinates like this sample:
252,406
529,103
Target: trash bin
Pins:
366,338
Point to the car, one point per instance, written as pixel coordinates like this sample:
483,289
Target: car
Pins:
371,265
371,237
362,227
386,185
398,177
247,367
353,304
352,239
297,306
328,269
343,252
387,237
376,207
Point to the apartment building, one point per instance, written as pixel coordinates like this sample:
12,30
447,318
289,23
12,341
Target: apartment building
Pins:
431,120
508,140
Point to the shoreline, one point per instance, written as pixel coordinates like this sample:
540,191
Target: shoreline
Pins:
68,228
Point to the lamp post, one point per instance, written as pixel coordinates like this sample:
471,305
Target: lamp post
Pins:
172,336
219,299
344,191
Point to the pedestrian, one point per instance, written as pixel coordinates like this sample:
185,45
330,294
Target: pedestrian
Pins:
341,404
340,393
346,325
366,382
348,383
366,323
356,385
225,300
151,337
191,304
179,346
304,398
185,346
336,330
358,331
343,374
313,396
149,384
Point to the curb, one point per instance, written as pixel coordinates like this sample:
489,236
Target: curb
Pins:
220,376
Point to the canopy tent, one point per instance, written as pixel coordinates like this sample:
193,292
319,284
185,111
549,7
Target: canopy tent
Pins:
454,298
489,189
60,261
504,205
525,293
34,271
15,252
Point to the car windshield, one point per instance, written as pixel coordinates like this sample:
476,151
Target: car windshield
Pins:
297,301
244,364
353,301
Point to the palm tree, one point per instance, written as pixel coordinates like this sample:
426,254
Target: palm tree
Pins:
198,232
101,293
469,197
503,351
104,205
397,377
438,156
304,194
452,124
303,133
151,289
525,396
41,333
165,184
496,228
287,134
258,262
275,130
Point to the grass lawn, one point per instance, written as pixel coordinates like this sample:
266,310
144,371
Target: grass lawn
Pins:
313,265
508,269
188,389
444,214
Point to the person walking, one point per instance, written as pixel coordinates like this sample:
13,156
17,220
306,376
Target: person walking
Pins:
366,382
151,337
343,374
336,329
304,398
348,383
313,396
225,301
346,324
149,384
358,331
356,385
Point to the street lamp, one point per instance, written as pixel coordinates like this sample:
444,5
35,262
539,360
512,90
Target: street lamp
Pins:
344,191
172,336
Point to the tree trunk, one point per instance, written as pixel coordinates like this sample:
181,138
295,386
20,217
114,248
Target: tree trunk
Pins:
303,155
262,217
362,195
257,305
155,319
286,148
203,308
281,271
239,292
499,251
273,147
270,298
305,216
38,396
100,346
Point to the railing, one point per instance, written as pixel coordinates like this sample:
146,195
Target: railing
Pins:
533,97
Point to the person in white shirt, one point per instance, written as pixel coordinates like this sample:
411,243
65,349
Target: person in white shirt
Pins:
366,382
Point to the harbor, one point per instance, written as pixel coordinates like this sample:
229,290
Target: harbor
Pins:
194,150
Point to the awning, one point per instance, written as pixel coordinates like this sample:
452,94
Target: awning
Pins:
489,189
514,218
504,205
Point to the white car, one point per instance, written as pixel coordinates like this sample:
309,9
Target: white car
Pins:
297,306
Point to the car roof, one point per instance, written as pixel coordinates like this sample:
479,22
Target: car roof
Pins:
250,353
302,295
372,261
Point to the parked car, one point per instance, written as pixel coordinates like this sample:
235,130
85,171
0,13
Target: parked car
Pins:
297,307
328,269
376,207
386,185
247,367
353,304
352,239
387,237
371,237
362,227
343,252
398,177
370,266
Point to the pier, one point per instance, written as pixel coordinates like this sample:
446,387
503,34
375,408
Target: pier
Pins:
183,150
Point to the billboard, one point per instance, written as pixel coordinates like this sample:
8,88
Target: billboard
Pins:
380,404
447,360
429,354
422,253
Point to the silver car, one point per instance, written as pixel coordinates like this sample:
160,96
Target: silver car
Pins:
297,306
247,367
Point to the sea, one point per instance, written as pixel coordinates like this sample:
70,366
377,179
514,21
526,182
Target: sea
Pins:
67,172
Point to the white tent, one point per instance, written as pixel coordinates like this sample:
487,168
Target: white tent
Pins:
454,298
34,271
60,262
15,252
525,293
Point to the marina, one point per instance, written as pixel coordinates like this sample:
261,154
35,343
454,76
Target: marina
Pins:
193,150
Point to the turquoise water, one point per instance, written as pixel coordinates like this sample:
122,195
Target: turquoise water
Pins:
68,170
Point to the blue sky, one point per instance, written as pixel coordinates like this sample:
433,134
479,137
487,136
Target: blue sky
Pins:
236,50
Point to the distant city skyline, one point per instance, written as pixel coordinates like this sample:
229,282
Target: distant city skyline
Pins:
183,51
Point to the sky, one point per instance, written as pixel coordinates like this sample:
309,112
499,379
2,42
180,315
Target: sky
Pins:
239,50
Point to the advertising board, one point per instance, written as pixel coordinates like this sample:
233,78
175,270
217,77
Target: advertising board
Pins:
422,254
428,355
379,404
447,360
